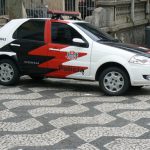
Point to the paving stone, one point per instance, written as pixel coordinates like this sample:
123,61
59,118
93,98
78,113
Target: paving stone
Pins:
134,115
84,100
76,109
90,134
129,144
41,89
73,93
142,97
19,103
25,125
69,93
107,107
5,114
66,121
12,90
72,115
87,146
15,96
48,138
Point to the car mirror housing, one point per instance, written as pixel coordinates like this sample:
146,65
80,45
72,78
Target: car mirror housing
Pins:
79,42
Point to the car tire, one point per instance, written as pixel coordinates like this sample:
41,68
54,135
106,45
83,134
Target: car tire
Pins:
114,81
9,73
37,78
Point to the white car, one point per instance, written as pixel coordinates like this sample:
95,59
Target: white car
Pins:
70,49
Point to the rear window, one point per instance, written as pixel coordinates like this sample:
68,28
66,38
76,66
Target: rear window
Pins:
31,30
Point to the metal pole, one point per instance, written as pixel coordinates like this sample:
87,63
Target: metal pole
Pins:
64,8
147,7
132,9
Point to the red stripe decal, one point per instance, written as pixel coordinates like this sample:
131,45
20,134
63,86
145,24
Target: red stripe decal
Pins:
60,57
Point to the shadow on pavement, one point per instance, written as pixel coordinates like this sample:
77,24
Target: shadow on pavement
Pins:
77,86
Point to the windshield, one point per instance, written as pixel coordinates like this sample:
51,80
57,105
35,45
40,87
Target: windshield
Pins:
95,33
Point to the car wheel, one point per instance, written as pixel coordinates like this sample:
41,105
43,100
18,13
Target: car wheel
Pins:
37,78
114,81
9,73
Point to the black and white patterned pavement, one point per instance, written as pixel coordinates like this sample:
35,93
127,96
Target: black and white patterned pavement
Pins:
68,115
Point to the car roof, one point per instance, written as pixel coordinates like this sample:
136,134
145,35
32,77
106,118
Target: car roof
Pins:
68,21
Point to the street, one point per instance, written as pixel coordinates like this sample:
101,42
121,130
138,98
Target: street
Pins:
68,114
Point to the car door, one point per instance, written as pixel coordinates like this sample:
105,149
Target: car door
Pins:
71,59
29,44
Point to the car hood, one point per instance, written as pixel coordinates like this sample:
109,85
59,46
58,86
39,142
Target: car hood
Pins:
129,47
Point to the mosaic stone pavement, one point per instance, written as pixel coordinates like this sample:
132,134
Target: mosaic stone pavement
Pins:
72,115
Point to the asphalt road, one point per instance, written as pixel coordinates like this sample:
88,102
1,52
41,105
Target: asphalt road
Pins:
68,115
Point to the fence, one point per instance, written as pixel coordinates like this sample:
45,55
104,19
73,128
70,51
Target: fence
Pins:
38,8
35,9
2,7
85,7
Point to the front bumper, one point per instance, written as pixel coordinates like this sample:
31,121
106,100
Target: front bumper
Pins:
138,75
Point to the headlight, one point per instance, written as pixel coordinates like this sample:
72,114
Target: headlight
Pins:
140,60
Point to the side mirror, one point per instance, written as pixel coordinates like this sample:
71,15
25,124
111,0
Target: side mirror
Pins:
79,42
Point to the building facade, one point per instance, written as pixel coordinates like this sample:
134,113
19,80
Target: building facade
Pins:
124,19
84,6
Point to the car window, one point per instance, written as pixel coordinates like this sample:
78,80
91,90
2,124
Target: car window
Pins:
31,30
95,33
63,33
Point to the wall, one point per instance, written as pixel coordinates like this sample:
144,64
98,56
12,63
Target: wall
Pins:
123,19
57,5
14,9
52,4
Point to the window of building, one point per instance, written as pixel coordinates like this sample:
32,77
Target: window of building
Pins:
86,7
64,34
31,30
70,5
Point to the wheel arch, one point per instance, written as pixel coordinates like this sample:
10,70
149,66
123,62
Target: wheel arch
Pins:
12,58
110,64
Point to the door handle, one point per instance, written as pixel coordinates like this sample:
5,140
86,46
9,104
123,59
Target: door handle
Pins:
17,45
54,49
